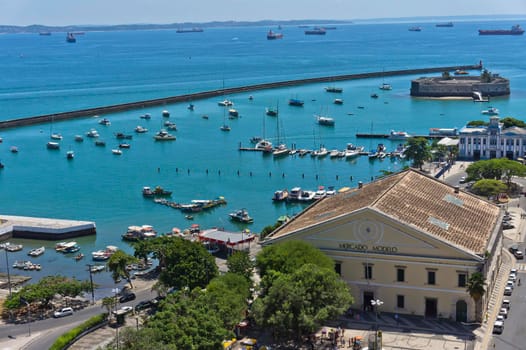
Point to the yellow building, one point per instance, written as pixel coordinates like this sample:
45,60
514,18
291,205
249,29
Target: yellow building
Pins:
408,240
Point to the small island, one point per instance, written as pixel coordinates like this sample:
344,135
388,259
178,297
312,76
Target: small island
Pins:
487,84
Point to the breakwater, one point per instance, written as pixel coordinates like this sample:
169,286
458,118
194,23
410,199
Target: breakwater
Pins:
214,93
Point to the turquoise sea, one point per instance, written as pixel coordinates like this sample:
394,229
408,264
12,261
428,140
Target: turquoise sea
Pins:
44,74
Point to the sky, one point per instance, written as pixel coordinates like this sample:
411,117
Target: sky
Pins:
108,12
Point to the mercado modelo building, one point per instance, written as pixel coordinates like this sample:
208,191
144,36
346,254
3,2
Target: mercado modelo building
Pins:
408,240
492,141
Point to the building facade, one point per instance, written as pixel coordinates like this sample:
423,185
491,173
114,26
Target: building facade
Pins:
408,240
492,141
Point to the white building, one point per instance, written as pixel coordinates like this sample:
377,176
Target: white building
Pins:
492,141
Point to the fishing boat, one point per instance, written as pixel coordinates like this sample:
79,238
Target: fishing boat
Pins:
37,251
123,136
158,191
104,254
324,120
105,122
53,145
385,87
271,112
280,195
92,133
338,101
273,36
334,89
233,112
225,103
64,246
296,102
163,135
491,111
70,38
398,135
13,247
140,130
241,215
97,268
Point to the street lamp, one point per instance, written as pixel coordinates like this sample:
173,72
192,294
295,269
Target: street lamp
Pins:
376,303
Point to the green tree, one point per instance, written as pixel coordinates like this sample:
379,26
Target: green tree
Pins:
498,169
289,256
485,76
240,263
109,304
188,264
509,122
418,150
488,187
117,265
298,303
476,289
477,123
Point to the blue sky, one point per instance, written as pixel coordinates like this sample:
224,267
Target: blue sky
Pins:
65,12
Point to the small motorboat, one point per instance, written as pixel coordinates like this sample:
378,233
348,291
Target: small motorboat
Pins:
140,130
116,151
146,116
13,149
241,215
37,251
104,121
79,256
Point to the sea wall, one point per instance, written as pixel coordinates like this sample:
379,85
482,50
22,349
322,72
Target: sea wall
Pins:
44,228
459,87
208,94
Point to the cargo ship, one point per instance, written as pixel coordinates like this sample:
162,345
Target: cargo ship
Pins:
515,30
189,30
445,24
273,36
316,31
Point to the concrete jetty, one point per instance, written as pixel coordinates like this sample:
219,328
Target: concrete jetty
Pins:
221,92
43,228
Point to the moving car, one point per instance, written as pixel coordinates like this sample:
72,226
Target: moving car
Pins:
127,297
65,311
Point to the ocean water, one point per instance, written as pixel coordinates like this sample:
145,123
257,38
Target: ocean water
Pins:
44,74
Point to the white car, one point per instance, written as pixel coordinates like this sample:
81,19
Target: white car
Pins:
513,271
65,311
503,312
498,327
127,309
510,284
508,291
512,277
506,303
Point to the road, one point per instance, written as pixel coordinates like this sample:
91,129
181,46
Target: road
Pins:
45,332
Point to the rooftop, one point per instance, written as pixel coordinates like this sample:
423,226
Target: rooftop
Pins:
416,200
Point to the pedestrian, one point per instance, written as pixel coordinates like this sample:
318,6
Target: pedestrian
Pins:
396,318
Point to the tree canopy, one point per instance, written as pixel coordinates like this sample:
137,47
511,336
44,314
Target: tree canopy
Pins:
509,122
418,151
488,187
239,262
497,169
117,265
298,303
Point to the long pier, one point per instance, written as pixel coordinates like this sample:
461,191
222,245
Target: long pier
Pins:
386,136
214,93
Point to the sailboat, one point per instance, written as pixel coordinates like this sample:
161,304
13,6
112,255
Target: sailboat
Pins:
263,144
321,152
281,150
384,85
224,127
272,112
54,135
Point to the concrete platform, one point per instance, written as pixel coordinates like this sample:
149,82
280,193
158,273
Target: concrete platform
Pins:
43,228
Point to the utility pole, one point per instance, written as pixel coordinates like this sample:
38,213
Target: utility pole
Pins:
91,283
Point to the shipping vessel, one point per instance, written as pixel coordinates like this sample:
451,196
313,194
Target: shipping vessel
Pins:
515,30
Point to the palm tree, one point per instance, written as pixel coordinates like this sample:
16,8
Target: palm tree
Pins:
117,265
109,303
476,289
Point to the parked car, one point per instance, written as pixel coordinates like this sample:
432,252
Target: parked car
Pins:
65,311
143,305
518,254
507,226
512,277
510,284
127,297
506,303
513,248
498,327
462,179
508,291
126,309
503,312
